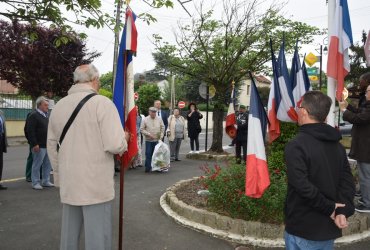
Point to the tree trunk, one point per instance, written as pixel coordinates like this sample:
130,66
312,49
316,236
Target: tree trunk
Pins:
218,117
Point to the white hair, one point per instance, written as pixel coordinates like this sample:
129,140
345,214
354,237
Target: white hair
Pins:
85,73
41,99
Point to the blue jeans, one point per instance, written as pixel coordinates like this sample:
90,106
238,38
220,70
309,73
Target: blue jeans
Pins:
40,159
149,149
297,243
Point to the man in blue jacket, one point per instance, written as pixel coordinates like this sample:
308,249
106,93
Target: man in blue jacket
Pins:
320,183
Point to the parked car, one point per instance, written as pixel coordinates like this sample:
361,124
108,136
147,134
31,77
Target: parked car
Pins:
345,128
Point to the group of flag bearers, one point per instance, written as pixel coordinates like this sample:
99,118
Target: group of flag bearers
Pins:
284,98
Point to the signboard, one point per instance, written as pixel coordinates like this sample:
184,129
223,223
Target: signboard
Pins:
136,96
181,104
313,78
203,91
311,59
312,71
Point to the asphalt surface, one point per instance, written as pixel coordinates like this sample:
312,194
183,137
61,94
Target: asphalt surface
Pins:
30,219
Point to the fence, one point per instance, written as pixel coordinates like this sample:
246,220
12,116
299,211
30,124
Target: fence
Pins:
15,107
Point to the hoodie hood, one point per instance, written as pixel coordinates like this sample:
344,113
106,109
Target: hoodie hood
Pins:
321,131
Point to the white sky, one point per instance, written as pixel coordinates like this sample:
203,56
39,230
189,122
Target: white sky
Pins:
313,12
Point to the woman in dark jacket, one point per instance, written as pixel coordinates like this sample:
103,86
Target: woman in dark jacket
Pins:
194,127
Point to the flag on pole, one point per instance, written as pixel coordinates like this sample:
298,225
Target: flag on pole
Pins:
297,79
123,90
340,39
306,79
257,176
286,111
273,102
230,118
367,49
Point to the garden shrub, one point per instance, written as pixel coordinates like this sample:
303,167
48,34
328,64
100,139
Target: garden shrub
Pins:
227,185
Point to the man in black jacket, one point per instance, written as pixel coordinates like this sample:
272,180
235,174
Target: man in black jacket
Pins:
37,128
241,139
320,183
360,145
3,146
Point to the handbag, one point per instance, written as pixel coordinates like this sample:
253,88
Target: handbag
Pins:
72,118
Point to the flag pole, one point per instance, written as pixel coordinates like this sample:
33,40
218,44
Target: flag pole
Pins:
331,81
121,190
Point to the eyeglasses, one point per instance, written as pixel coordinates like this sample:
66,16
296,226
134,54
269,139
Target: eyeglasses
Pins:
301,107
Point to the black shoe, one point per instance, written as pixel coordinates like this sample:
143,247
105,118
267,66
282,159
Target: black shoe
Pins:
139,166
147,171
177,160
3,187
231,145
28,179
362,209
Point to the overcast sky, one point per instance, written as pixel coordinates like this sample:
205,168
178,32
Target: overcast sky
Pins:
313,12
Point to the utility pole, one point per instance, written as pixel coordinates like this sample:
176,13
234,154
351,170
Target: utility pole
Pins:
116,40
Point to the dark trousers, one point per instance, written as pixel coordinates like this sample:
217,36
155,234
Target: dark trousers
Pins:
29,164
149,149
1,160
238,150
196,140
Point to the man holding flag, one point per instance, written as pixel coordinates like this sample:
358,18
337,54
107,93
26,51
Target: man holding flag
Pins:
83,165
320,183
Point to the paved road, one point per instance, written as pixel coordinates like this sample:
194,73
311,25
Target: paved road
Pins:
30,219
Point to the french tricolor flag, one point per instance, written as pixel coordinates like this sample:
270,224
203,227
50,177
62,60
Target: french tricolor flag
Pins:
340,39
257,176
273,102
123,90
298,78
230,118
286,111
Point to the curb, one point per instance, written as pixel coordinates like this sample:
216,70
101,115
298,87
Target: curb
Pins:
190,217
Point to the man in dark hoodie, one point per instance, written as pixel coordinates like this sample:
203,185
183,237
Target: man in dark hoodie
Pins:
320,183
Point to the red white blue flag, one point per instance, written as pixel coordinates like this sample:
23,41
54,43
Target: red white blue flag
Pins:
273,102
340,39
230,118
257,176
123,90
299,79
286,111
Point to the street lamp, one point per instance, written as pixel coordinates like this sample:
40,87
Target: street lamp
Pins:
325,42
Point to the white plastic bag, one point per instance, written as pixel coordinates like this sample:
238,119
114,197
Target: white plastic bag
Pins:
161,157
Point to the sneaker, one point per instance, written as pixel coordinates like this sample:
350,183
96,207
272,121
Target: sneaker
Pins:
48,184
37,187
362,209
191,152
196,152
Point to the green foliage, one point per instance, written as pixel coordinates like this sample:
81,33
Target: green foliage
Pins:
106,81
220,50
227,185
148,93
357,61
264,94
106,93
82,12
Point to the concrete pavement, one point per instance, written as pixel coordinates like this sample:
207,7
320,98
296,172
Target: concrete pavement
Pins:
30,219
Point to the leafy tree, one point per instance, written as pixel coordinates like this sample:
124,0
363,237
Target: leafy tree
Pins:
264,94
221,51
148,93
106,93
86,12
180,90
357,61
36,66
106,81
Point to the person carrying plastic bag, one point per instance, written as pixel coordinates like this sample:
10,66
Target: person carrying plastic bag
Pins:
161,157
